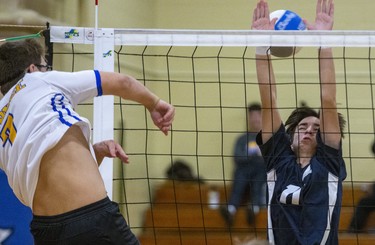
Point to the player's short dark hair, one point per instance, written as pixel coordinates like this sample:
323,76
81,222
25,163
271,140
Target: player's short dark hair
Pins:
296,117
302,112
254,107
15,57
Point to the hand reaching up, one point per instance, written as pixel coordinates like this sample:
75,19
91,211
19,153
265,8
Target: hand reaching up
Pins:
324,16
261,17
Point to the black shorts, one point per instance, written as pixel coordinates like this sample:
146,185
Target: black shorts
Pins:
97,223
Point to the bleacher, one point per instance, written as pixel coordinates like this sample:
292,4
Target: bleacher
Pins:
181,214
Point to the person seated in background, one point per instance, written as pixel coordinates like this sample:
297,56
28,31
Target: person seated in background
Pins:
249,171
180,170
364,208
251,242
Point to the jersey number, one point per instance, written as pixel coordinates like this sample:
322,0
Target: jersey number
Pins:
8,132
291,195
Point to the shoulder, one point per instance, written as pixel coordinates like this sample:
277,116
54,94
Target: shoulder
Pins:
279,136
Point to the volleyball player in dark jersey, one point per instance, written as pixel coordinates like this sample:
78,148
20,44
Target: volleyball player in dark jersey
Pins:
305,167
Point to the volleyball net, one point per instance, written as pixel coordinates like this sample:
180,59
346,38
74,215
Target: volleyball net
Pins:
210,78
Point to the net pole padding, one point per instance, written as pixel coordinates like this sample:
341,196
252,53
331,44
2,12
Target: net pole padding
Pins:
48,44
103,114
250,38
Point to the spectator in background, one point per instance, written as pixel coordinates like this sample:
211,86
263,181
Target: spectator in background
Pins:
364,208
248,241
180,170
249,172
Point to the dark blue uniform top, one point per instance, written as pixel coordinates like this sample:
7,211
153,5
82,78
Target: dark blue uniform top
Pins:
304,203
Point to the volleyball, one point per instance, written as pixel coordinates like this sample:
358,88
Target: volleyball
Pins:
290,21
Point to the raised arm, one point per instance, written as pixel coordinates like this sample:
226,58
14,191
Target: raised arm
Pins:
271,119
129,88
329,120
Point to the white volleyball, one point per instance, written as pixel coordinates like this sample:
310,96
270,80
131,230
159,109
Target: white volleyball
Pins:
286,20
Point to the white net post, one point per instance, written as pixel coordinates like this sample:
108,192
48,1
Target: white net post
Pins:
103,115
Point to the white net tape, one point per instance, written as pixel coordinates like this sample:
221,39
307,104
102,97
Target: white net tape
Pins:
159,37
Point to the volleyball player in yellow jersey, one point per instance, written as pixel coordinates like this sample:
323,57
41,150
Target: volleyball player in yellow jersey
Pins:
45,145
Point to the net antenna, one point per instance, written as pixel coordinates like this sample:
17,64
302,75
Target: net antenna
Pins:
96,14
9,39
103,114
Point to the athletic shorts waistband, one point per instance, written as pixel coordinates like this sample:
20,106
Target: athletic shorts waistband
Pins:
70,216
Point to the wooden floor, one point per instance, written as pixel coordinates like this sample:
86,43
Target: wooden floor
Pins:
180,214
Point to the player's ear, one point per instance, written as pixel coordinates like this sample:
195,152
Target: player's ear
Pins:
31,68
290,138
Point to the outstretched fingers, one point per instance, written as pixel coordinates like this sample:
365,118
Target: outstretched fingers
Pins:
318,7
324,16
331,8
261,17
120,153
255,12
261,9
111,149
325,6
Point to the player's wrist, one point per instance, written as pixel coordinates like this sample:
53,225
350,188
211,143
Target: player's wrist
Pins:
155,101
262,50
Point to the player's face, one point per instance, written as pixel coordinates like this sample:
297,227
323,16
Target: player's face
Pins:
305,135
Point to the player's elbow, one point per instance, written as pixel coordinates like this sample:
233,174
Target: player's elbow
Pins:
114,83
